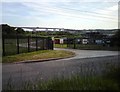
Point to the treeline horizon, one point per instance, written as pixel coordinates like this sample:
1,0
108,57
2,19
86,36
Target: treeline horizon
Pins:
8,30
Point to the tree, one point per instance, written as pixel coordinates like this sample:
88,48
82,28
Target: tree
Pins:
6,29
20,31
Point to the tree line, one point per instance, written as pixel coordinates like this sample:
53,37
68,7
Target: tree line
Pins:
8,30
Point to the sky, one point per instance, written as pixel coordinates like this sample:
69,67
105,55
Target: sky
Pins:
84,14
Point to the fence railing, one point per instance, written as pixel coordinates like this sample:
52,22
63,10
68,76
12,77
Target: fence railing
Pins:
21,44
88,43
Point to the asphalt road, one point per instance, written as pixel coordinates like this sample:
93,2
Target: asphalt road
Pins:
91,64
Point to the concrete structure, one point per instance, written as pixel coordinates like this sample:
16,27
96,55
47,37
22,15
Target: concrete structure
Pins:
42,28
108,32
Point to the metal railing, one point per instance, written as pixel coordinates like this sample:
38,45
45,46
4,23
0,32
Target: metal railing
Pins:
17,44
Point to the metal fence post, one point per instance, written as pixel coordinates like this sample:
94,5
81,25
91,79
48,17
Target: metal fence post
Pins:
48,43
51,44
3,46
43,44
36,43
74,43
67,42
17,44
28,44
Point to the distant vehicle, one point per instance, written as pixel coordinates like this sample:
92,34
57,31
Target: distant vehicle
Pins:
84,41
99,41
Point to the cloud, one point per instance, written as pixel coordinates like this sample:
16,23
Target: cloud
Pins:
111,11
60,14
113,8
48,9
60,1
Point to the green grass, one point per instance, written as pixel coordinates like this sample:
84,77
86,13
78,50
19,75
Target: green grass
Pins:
86,47
90,47
60,45
79,83
43,54
108,81
75,82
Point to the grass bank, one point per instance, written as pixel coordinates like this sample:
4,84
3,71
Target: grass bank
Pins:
79,83
60,45
86,47
42,54
106,82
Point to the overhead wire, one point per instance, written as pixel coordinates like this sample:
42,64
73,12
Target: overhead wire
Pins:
54,10
91,12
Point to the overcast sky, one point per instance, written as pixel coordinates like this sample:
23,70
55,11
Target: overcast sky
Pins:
95,14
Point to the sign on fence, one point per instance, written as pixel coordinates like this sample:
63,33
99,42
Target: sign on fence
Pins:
61,41
84,41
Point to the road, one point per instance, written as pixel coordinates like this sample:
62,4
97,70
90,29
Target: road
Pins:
89,53
85,63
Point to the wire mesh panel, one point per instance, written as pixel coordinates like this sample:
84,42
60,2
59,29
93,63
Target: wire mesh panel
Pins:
10,47
40,43
45,43
89,43
78,42
21,44
70,43
32,43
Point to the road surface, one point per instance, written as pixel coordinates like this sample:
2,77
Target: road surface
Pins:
85,63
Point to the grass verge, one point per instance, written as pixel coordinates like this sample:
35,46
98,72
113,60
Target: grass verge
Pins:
86,47
43,54
79,83
109,81
60,45
75,82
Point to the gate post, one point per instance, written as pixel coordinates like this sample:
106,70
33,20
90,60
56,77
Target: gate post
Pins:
47,45
51,44
28,44
43,43
36,43
3,46
74,43
17,44
67,42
